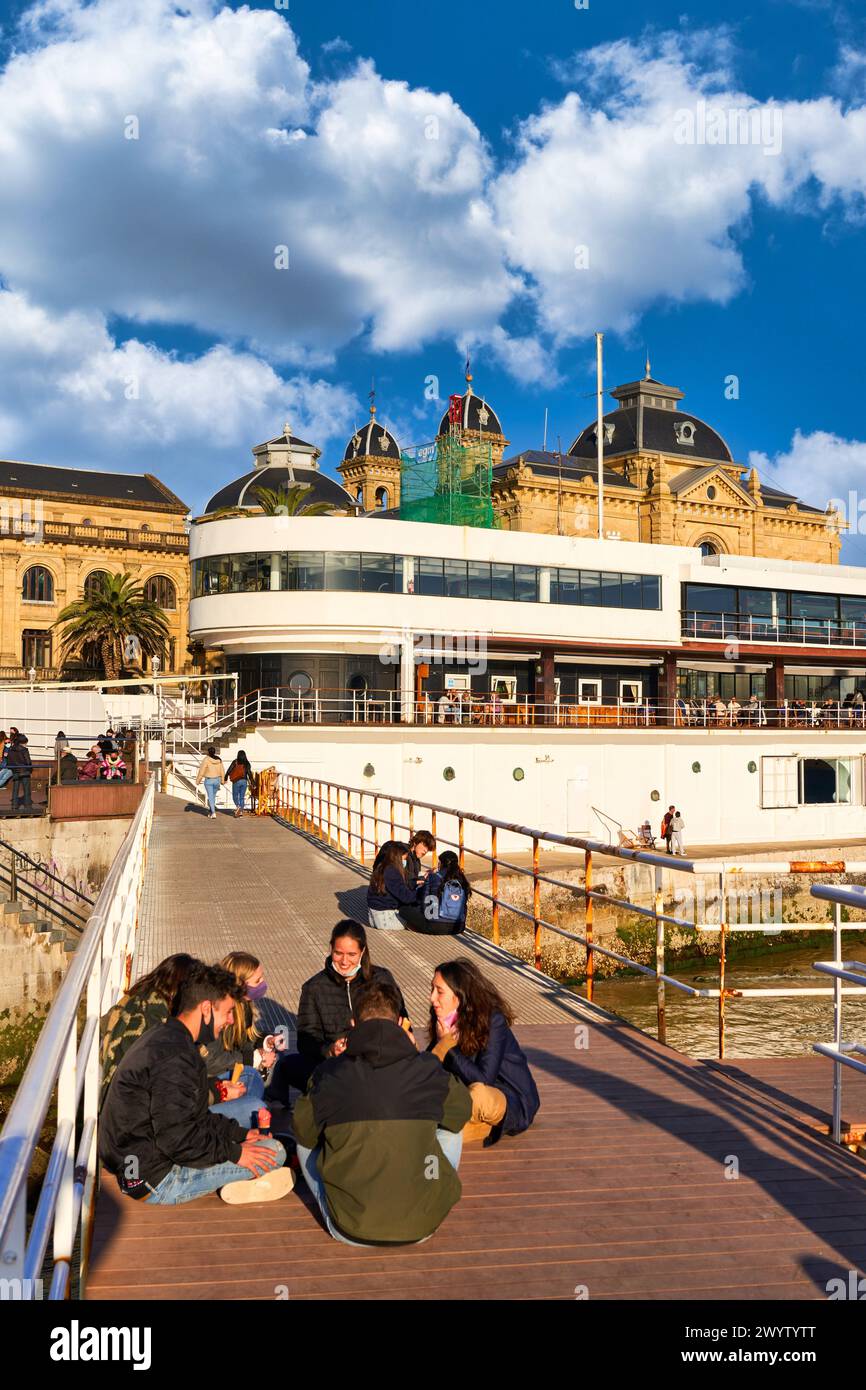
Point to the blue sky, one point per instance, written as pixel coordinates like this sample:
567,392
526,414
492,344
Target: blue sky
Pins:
432,172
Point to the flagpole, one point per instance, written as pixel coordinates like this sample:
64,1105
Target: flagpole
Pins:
599,433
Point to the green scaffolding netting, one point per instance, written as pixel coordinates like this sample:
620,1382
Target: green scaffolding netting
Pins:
447,482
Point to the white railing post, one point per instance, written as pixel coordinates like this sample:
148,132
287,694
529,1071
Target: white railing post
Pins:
837,1024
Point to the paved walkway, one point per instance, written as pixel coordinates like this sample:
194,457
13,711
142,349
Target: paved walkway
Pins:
623,1188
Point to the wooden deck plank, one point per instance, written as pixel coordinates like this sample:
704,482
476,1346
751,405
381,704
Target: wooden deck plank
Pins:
620,1185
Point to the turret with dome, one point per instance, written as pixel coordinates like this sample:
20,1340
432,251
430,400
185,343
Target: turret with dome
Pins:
282,463
371,465
474,419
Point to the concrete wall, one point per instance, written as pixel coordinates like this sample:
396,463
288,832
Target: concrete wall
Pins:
567,772
81,852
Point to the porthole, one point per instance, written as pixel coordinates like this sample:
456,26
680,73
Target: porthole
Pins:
711,492
696,767
655,796
752,766
518,774
369,770
449,774
300,683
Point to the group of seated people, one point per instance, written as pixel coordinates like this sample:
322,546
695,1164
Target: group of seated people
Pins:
196,1094
105,761
401,897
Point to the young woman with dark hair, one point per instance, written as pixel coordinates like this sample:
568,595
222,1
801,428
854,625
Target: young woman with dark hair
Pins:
240,775
327,1007
147,1003
420,844
443,899
470,1033
390,889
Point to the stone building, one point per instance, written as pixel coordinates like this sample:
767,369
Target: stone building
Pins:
62,528
669,478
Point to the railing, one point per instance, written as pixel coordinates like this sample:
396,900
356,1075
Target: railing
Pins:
810,632
28,880
351,819
66,1062
852,971
279,705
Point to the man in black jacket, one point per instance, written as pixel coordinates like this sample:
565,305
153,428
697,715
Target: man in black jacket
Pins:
156,1133
19,760
379,1131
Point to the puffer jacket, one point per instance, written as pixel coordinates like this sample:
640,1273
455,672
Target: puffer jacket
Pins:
375,1112
327,1007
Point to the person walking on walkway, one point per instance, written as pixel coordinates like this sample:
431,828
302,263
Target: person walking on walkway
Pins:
156,1134
19,760
239,775
470,1033
678,825
379,1132
211,772
326,1012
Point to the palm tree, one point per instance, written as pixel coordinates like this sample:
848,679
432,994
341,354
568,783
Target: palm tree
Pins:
97,625
290,501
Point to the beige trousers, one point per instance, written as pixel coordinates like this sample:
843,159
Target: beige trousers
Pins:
488,1108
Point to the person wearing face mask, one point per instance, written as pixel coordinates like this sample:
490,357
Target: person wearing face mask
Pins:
241,1042
327,1008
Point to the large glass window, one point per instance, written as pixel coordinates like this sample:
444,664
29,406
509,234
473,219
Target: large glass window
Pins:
479,579
378,574
854,611
160,589
825,781
590,589
35,648
37,587
815,606
611,591
304,571
632,596
93,582
502,581
651,588
456,580
342,572
711,598
526,583
429,577
567,587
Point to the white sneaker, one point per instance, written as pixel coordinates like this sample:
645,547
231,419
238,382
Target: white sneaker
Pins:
268,1188
211,815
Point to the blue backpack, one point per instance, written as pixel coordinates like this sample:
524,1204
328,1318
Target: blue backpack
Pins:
452,902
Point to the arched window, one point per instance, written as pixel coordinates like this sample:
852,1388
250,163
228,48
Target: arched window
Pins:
38,585
382,498
708,548
160,589
93,582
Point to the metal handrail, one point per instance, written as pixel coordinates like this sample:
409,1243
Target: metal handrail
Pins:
97,974
322,706
55,878
854,972
327,810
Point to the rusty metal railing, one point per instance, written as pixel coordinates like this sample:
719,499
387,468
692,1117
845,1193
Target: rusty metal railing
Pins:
351,819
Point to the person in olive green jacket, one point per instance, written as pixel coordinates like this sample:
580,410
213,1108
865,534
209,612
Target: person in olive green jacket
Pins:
379,1131
148,1003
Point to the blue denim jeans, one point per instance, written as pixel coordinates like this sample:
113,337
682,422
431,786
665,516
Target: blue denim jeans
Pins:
211,786
239,792
185,1184
241,1110
450,1144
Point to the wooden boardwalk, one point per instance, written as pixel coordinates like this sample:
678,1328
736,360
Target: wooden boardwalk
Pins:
623,1188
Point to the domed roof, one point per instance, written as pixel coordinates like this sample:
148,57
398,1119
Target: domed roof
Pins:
372,440
649,418
241,492
475,413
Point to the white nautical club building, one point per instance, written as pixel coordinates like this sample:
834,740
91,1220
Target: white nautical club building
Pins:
591,673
